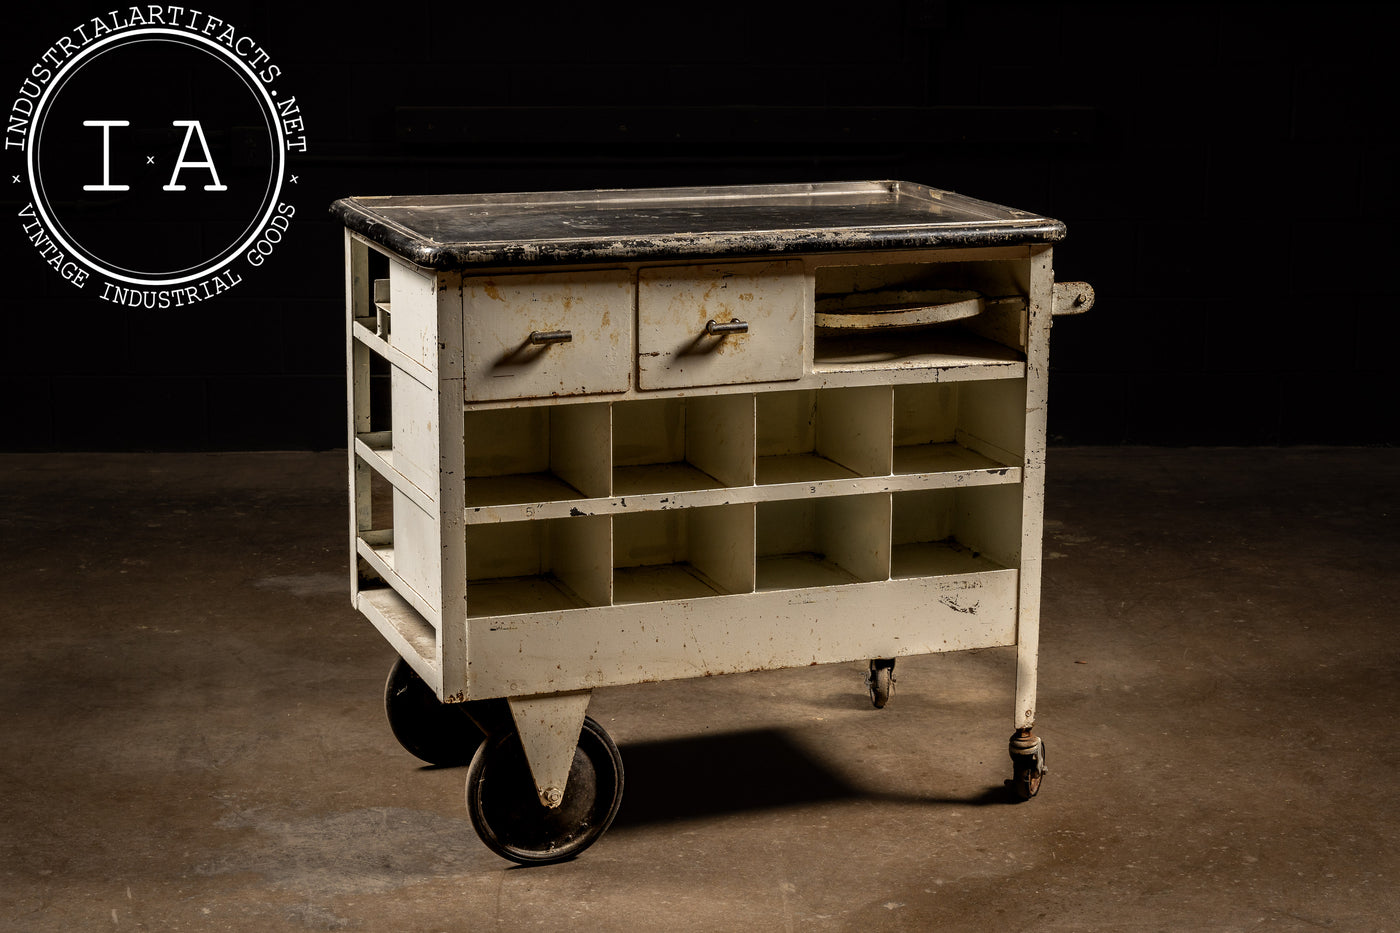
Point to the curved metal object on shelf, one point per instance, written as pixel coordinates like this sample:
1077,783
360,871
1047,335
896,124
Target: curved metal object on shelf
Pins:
886,310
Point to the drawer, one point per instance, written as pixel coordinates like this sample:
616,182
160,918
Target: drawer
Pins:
700,325
534,336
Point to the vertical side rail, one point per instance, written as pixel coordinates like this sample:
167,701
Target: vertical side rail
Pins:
357,305
452,487
1040,308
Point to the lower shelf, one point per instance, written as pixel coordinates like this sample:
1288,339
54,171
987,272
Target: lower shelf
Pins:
937,558
675,638
796,571
963,354
661,583
399,622
945,458
510,595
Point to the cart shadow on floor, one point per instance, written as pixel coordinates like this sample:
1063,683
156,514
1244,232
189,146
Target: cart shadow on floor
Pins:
700,777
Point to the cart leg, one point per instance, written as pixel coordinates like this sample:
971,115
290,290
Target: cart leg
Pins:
549,728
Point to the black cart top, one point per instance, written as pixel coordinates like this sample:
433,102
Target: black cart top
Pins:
545,228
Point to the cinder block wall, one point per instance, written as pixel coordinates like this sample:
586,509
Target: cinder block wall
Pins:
1226,172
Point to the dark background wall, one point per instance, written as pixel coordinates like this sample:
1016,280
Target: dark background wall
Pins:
1226,172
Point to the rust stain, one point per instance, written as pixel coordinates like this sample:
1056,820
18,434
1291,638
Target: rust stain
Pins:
489,287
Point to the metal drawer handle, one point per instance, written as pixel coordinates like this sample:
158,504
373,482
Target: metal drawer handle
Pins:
543,338
714,328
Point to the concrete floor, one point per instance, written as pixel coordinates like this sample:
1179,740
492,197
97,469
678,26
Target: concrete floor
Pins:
194,737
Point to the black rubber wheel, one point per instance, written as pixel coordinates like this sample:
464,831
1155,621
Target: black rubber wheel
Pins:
881,682
1026,783
1027,774
506,811
436,732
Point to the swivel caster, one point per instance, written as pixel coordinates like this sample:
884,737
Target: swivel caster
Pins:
880,681
1027,764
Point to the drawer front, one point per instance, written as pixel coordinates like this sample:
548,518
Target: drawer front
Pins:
534,336
724,324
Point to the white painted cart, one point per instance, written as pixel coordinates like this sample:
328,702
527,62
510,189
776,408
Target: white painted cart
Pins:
608,437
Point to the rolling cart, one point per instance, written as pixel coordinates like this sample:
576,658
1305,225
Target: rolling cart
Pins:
607,437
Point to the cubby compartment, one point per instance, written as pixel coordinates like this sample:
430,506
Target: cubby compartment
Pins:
530,455
682,444
938,532
538,566
683,553
822,542
375,515
812,435
945,427
921,315
374,521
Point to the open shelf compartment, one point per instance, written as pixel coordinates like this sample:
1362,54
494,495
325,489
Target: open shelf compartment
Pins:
811,435
938,532
683,553
682,444
960,427
822,542
530,455
922,315
538,566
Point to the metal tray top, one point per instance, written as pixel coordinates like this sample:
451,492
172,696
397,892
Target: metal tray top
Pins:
543,228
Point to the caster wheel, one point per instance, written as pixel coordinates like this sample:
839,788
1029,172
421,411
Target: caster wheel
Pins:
1028,770
438,733
1026,783
507,813
881,682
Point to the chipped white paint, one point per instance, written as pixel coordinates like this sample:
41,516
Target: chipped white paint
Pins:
601,513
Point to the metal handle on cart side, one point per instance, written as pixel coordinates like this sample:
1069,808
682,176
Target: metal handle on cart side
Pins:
1072,298
716,329
543,338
